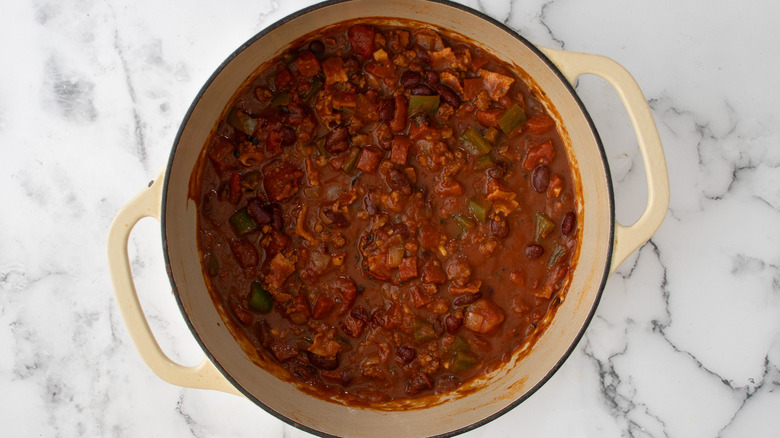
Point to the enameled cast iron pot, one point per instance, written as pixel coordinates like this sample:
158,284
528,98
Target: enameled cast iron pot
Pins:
604,243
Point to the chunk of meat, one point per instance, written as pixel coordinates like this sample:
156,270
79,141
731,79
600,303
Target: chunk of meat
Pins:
281,268
324,346
496,84
483,316
362,39
369,159
334,70
307,63
458,271
432,273
281,179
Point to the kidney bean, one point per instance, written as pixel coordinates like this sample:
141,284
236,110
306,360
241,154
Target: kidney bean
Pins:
448,95
540,178
568,223
499,228
337,218
534,251
466,299
317,47
410,78
431,77
336,141
387,110
323,363
398,182
422,90
498,171
288,136
452,323
406,353
261,212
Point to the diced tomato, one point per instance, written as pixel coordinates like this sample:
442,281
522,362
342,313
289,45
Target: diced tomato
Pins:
398,122
362,39
407,270
369,159
419,298
322,306
541,154
400,149
540,123
308,65
489,117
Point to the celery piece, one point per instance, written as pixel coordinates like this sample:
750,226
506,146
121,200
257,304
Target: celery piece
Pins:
463,221
474,142
479,208
557,253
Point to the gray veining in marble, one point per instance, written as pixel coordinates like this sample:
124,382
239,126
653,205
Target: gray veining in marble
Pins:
686,341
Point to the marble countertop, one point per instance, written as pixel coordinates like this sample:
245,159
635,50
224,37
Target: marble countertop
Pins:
686,340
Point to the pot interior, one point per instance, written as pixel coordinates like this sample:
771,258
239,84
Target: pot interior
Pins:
487,398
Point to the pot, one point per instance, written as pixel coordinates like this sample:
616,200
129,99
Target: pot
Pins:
604,243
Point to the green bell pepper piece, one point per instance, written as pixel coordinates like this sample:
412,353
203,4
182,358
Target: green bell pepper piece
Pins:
241,121
513,117
242,222
260,299
544,226
423,104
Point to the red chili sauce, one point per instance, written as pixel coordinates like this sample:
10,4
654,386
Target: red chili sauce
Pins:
387,212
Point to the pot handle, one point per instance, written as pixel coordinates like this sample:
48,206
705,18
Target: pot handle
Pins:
627,238
147,204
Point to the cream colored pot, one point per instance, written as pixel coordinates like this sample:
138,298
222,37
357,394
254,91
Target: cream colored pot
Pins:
604,244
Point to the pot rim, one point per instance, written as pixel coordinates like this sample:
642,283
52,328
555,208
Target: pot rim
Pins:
512,33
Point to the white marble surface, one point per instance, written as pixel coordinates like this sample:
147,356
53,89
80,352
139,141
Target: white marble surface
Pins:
686,341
